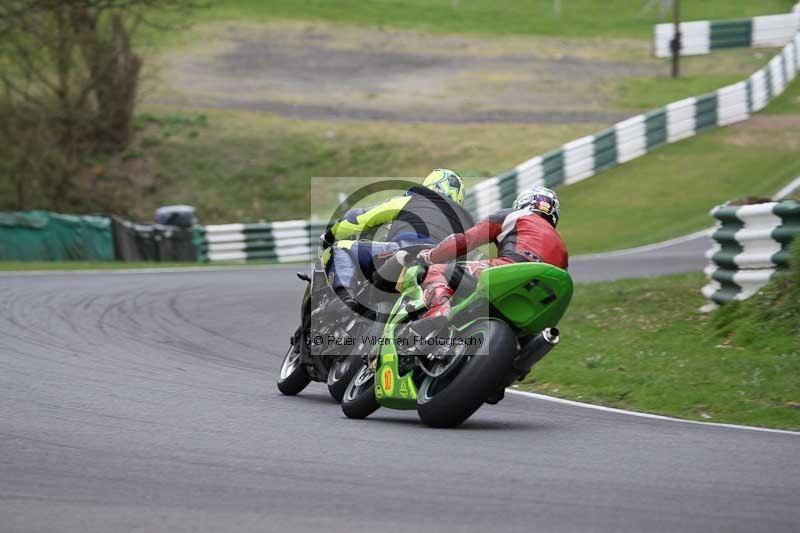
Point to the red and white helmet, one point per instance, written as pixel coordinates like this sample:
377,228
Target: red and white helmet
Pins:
540,200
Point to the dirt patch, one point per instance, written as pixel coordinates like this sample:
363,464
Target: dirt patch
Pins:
769,123
317,71
760,130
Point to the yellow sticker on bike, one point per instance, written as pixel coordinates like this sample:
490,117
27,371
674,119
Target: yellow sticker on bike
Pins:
387,380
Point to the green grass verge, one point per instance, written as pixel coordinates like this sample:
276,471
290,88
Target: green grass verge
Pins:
786,104
669,193
700,75
579,18
651,93
642,345
772,315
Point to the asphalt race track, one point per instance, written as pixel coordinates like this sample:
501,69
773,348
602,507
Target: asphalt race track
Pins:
147,402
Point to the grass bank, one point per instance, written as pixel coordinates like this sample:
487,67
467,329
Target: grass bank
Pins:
240,166
578,18
786,104
668,193
247,166
642,345
244,166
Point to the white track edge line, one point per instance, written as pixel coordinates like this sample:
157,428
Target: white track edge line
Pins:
789,189
648,247
573,403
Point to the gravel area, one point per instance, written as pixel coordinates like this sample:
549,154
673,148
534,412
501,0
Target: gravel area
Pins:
315,71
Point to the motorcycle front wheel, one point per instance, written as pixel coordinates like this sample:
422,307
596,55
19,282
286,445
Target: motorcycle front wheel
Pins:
341,373
293,376
359,398
346,367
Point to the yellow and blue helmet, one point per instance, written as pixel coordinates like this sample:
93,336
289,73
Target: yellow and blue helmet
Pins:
446,182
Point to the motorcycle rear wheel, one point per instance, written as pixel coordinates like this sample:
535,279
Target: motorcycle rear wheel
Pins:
448,400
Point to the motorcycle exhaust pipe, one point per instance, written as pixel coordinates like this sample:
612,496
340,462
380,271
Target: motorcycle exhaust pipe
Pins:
535,350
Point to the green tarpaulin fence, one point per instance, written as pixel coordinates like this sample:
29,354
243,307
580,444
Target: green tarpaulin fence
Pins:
43,236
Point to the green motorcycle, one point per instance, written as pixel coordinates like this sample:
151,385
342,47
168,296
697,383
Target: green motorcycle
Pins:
503,323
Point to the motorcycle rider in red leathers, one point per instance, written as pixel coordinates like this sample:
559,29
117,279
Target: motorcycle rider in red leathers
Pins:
524,233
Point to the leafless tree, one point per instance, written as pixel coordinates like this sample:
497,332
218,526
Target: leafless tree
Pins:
69,76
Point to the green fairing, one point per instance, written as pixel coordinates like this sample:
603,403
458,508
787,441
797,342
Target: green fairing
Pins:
530,296
388,360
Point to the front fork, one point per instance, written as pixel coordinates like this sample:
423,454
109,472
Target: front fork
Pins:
302,332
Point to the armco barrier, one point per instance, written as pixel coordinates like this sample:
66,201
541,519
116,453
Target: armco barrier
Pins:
751,244
291,240
702,37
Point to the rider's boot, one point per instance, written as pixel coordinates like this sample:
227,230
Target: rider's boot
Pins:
434,320
437,298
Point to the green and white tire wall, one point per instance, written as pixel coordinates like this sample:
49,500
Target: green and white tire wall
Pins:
703,36
751,244
284,242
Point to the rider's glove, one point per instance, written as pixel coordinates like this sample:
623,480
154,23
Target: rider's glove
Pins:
424,257
326,240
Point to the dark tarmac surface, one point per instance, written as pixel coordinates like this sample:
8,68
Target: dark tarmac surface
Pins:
147,402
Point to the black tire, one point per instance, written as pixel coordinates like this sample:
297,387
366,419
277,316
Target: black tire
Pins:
447,401
359,397
344,370
293,376
341,374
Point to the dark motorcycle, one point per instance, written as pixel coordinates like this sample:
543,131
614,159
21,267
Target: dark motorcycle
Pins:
329,343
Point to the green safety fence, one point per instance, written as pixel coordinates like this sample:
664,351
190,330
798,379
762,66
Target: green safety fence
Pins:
43,236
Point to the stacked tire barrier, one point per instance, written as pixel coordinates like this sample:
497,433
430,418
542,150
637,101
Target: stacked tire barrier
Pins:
287,241
152,242
751,244
702,37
